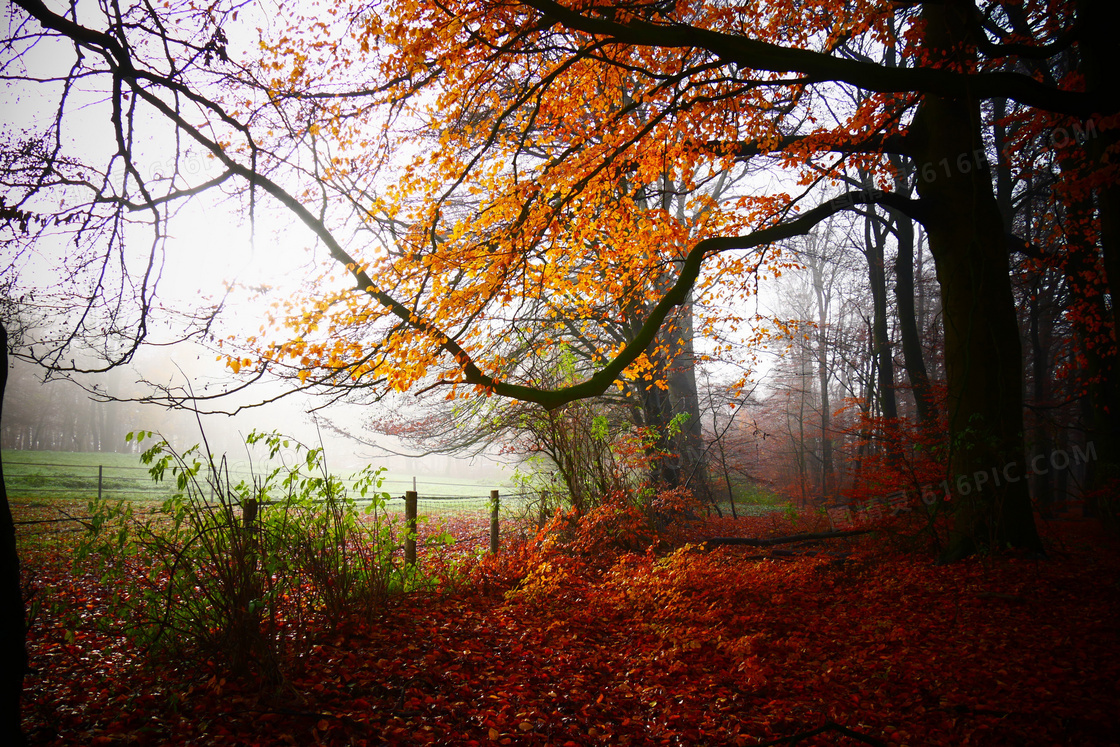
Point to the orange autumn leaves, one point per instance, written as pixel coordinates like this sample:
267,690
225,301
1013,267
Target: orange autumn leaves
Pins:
516,184
511,183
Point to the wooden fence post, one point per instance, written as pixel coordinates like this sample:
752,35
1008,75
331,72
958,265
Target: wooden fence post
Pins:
494,504
410,527
99,474
249,513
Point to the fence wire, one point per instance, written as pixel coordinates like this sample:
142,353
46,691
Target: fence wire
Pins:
428,506
133,482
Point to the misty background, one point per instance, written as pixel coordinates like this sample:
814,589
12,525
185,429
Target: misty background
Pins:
59,415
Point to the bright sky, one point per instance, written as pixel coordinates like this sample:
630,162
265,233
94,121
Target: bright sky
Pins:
211,243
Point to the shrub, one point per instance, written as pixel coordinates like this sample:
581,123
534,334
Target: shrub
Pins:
242,572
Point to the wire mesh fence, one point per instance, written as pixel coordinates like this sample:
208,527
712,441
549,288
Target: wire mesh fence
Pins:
71,481
53,505
51,495
60,480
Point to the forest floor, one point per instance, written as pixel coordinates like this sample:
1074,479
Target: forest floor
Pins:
861,643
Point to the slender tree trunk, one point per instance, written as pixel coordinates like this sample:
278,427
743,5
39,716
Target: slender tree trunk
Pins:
13,631
912,359
1041,483
1040,384
823,301
802,449
909,335
1101,372
867,408
983,357
875,239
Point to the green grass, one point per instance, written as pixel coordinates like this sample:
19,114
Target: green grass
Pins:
45,476
753,494
74,475
751,499
46,486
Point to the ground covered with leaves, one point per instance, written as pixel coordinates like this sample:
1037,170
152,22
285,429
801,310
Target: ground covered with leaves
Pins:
851,641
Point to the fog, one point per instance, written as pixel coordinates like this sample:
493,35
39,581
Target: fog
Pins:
59,415
211,255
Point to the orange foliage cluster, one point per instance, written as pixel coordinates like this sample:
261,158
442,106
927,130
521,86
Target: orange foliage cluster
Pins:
529,182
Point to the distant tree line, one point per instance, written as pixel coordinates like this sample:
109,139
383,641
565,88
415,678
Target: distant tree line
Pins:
58,416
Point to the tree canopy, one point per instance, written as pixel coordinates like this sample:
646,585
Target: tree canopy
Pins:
492,178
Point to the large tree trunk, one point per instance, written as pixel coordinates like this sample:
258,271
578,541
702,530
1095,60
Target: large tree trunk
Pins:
13,658
657,414
686,401
1100,64
983,356
679,455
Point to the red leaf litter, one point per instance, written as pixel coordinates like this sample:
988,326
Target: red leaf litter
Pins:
856,644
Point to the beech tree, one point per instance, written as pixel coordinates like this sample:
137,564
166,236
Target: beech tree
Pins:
944,138
438,248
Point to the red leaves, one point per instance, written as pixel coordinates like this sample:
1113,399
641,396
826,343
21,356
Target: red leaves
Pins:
688,648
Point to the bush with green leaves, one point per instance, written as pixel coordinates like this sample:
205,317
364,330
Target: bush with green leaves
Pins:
247,571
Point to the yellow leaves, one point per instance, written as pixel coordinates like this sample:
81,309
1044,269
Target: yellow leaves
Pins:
236,364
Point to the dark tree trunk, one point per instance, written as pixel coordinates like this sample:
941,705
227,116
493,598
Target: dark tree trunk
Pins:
910,337
983,356
13,632
912,359
1040,382
1041,482
875,241
1100,64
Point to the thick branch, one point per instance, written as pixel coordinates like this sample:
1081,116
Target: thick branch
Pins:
678,294
125,70
759,55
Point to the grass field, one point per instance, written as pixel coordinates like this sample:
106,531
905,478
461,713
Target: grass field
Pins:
72,475
49,491
44,486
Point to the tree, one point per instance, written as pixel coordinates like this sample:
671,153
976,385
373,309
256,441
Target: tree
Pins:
13,656
439,304
806,373
945,139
